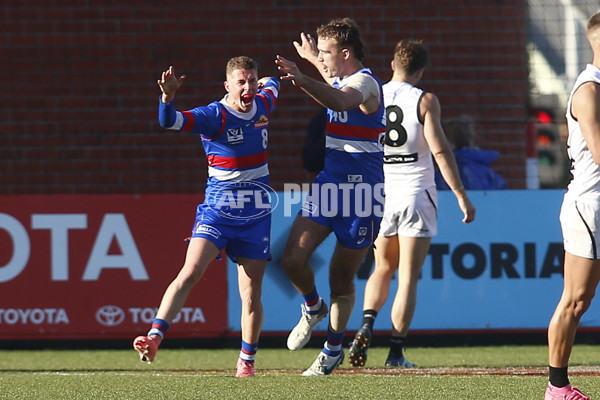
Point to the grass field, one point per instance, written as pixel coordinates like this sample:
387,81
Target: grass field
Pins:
488,372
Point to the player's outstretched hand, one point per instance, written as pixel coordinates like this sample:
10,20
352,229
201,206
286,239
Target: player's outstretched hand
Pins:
307,48
169,84
289,70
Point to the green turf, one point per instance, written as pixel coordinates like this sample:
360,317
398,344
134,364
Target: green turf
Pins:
208,374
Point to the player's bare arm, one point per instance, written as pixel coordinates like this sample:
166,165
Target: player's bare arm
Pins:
585,107
442,152
343,99
169,84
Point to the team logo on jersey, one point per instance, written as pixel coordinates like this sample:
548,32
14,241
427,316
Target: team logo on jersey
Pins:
262,122
235,136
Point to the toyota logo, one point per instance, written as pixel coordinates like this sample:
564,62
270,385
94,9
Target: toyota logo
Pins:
110,315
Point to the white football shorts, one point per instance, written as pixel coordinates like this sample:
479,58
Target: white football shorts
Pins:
412,215
579,220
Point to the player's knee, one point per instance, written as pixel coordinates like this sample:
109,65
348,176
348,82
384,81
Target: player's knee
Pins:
190,274
292,260
386,271
581,306
251,299
581,303
341,281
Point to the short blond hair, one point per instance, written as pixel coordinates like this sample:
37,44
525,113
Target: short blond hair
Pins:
240,62
593,28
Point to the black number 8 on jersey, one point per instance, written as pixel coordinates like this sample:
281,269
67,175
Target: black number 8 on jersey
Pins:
395,134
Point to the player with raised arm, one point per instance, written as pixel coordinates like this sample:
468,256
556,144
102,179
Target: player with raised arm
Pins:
234,134
353,163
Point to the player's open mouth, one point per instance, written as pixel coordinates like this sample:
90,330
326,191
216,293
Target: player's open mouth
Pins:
247,99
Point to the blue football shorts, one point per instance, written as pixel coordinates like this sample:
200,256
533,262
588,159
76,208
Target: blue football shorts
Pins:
248,238
351,210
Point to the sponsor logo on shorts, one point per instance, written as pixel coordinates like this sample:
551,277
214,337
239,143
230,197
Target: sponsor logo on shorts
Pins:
309,208
208,230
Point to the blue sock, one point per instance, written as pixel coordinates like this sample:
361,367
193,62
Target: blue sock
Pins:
248,351
159,328
313,302
333,345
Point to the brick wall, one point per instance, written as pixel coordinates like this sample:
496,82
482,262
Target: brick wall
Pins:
78,112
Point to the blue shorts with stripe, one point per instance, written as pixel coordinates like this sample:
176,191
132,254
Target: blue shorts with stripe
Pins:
248,238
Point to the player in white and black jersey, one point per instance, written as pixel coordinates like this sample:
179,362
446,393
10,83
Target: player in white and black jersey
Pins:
413,134
579,220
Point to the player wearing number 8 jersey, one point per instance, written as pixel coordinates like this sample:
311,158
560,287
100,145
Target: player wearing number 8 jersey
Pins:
234,135
413,135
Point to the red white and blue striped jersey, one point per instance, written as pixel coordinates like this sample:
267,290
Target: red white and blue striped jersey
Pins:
235,143
354,150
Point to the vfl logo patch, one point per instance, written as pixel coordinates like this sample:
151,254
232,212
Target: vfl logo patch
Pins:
262,122
235,136
208,230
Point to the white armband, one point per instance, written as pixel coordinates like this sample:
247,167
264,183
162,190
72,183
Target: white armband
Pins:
365,84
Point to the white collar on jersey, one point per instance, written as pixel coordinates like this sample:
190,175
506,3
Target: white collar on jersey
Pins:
241,115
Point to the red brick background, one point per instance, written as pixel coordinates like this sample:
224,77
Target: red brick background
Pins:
78,110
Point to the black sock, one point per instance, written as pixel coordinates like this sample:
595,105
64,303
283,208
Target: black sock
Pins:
397,345
369,318
558,376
